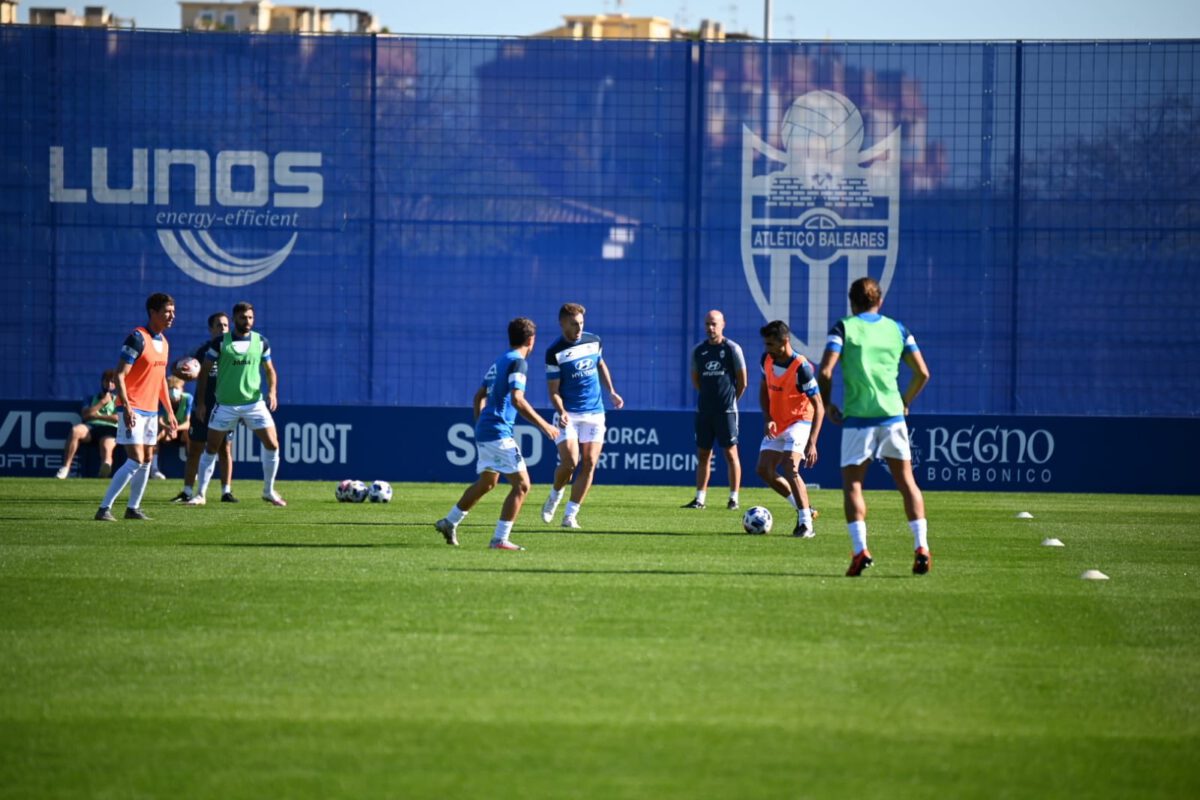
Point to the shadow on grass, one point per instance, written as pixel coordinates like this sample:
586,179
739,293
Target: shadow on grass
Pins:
686,572
298,545
580,532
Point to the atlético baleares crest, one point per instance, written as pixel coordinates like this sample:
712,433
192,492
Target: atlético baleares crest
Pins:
823,207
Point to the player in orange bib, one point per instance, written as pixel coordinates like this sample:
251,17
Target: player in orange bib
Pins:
141,378
792,413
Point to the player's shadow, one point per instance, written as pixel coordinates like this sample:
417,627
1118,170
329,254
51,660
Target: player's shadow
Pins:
593,532
301,545
679,572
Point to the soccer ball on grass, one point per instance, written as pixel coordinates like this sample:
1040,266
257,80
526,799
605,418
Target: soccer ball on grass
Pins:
757,520
380,492
351,491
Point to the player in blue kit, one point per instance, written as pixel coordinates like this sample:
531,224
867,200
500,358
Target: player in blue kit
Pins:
575,370
497,402
719,375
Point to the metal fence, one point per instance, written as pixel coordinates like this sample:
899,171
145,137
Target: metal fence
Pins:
387,204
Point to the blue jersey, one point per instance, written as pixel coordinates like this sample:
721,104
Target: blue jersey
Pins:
717,365
210,388
503,378
134,344
576,366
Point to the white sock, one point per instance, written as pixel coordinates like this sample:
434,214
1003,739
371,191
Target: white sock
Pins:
153,464
137,486
733,496
918,528
806,518
187,489
120,480
503,529
227,489
204,473
701,496
270,465
858,535
792,500
456,515
572,509
556,494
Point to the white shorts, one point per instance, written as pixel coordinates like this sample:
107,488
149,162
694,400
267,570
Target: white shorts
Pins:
792,439
584,427
502,455
256,416
879,441
145,430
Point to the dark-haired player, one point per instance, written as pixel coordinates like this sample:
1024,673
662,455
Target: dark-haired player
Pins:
141,378
497,402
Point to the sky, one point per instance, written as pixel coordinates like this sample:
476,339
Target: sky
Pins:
791,19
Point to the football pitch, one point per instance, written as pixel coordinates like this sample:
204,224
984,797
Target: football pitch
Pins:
328,650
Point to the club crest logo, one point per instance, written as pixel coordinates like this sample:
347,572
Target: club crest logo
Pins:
824,207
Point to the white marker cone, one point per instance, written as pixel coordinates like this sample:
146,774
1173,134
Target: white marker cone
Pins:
1052,542
1094,575
1024,515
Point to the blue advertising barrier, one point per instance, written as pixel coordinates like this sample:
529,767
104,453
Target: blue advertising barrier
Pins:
389,203
972,453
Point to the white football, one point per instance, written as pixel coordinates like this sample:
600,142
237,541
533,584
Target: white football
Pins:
342,491
757,520
380,492
187,369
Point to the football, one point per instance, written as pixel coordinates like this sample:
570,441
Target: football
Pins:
342,491
757,520
380,492
187,369
356,492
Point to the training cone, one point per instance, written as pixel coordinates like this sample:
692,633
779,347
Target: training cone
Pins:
1094,575
1052,542
1024,515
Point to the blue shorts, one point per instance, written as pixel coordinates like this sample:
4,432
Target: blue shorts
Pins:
721,426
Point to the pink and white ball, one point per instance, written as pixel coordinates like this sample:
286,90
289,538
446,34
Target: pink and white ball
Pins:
187,369
349,491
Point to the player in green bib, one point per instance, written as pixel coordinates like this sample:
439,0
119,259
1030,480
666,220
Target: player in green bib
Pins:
870,347
243,356
99,425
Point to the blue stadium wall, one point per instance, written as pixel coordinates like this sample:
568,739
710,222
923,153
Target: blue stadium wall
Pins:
388,204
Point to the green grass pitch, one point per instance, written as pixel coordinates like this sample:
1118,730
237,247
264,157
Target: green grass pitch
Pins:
328,650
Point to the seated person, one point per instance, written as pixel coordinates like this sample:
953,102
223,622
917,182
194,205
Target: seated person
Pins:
183,411
99,425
